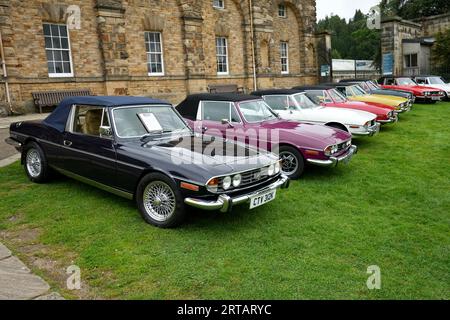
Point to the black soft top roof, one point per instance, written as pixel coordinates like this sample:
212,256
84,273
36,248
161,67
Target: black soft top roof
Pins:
309,88
276,92
189,107
355,80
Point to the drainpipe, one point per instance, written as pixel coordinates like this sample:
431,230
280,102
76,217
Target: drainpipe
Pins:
5,73
252,32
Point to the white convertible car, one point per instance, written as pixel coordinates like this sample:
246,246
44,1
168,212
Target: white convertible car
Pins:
294,105
434,82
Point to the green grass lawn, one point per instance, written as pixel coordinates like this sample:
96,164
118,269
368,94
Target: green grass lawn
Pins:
390,207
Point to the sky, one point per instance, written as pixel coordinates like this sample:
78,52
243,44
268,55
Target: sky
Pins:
343,8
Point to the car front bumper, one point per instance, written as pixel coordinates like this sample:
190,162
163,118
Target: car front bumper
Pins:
393,119
225,203
370,131
334,161
16,144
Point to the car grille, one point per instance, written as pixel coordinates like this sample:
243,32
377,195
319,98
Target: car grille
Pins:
435,93
249,178
343,146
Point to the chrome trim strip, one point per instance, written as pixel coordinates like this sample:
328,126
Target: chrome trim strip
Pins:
81,151
96,184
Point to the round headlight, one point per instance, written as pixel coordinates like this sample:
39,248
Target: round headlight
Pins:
237,179
277,167
226,183
271,170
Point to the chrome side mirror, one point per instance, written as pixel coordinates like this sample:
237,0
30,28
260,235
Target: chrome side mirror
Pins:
106,132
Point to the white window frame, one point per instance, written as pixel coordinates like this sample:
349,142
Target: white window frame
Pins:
222,73
219,4
59,75
161,44
282,8
284,43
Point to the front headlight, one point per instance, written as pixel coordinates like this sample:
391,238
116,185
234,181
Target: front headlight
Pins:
237,179
271,170
277,167
226,183
427,93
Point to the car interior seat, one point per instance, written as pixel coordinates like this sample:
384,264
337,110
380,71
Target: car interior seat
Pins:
92,122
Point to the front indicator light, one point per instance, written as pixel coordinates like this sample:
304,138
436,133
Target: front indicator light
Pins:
189,186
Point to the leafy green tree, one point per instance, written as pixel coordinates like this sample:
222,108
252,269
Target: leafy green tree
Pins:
441,49
413,9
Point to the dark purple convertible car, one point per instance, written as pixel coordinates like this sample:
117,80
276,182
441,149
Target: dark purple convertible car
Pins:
142,149
249,120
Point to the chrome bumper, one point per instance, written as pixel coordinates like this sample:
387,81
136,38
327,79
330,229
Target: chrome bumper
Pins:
225,203
390,120
16,144
373,130
334,161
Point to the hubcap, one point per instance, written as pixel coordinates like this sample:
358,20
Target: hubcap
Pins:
33,161
289,163
159,201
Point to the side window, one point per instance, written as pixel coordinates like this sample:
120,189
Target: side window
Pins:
217,111
342,90
277,102
87,120
390,82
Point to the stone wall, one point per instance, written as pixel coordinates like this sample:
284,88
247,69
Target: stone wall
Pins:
433,25
109,56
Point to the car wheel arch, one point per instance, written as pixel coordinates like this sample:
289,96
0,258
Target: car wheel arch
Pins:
148,171
26,142
337,125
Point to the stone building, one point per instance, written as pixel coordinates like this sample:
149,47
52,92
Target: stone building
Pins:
159,48
406,45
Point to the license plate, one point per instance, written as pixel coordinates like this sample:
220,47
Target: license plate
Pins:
262,199
435,98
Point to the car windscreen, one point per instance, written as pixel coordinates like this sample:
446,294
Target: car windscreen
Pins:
337,96
318,96
436,80
279,103
137,121
405,82
256,111
304,102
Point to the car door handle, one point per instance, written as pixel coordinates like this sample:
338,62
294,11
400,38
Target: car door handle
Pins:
67,143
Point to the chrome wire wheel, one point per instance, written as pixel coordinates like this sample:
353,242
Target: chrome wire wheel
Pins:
159,201
289,163
34,163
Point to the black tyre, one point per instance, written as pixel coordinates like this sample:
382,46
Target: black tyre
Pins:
159,201
35,163
293,163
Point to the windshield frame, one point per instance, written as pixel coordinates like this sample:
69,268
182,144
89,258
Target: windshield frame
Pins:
257,100
114,127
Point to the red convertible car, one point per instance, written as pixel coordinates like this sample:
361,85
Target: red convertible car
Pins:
426,94
328,96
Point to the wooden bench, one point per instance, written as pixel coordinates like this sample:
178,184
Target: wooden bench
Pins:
53,98
225,88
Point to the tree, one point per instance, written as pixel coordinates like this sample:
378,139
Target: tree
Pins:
413,9
441,49
352,39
